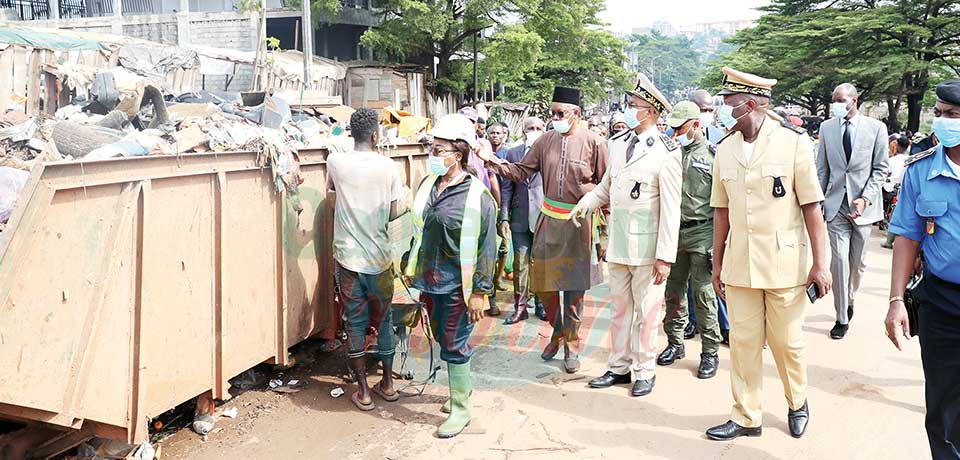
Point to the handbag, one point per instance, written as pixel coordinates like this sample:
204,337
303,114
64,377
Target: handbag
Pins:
912,303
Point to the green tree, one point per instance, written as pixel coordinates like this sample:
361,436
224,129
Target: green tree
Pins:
323,10
534,44
671,63
894,50
433,31
555,43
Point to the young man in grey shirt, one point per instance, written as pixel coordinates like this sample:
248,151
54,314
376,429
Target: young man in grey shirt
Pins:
370,193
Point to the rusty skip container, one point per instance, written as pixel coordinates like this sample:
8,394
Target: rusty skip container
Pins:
130,286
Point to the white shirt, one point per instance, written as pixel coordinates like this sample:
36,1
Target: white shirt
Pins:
854,124
366,183
898,167
955,167
748,150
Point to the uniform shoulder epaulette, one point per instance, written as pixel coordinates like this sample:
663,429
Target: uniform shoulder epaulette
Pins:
919,156
796,129
669,142
725,137
713,149
621,135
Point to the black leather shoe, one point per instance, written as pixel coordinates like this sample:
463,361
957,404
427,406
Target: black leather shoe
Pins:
671,354
708,365
494,310
571,364
690,331
550,350
610,379
518,315
839,330
643,387
540,312
731,430
849,314
725,333
798,419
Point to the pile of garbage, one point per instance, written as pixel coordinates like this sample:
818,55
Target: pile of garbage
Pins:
126,115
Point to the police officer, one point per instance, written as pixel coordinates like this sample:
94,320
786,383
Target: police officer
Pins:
642,187
928,218
695,247
767,219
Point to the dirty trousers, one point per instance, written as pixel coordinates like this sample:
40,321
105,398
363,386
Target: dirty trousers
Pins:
693,264
367,299
774,316
450,324
565,321
638,309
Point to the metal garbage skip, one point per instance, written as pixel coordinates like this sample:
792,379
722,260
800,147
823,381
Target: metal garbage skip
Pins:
132,285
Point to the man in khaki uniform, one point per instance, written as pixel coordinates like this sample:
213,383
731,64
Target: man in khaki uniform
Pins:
767,219
695,248
642,187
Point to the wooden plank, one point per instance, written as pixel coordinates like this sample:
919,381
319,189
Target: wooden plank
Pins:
50,103
6,83
21,69
33,83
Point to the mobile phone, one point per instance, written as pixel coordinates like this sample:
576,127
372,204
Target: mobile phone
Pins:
813,292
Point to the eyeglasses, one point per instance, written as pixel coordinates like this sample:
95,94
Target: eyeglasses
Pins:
559,114
439,151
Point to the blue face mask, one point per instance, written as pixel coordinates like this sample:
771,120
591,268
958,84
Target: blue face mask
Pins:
839,109
437,165
630,117
562,126
725,115
685,140
947,131
669,132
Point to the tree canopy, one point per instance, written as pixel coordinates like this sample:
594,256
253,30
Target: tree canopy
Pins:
671,63
893,50
532,46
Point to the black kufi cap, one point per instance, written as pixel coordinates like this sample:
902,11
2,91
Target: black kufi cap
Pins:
565,95
949,92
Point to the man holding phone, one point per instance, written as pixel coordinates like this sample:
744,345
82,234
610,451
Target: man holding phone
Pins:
767,218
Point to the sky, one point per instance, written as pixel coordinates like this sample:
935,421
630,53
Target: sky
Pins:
624,15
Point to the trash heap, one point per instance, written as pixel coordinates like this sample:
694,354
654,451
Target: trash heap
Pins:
127,115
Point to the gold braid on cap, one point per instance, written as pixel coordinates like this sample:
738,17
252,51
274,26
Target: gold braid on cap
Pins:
741,88
645,95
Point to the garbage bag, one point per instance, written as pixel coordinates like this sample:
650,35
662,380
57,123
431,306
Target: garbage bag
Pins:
11,183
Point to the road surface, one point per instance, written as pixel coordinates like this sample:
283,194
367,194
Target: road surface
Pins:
866,402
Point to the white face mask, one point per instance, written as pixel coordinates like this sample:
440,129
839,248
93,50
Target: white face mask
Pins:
532,137
706,118
562,126
839,109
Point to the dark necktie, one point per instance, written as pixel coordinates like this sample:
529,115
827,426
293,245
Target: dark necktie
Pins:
847,145
633,143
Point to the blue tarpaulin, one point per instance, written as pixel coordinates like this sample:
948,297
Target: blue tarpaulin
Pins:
50,40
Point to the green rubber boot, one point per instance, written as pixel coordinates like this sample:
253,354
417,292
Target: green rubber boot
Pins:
459,394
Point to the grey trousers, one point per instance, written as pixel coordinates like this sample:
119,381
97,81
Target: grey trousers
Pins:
847,246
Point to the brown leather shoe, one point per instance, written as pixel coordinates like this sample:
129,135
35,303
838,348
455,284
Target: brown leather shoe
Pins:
551,349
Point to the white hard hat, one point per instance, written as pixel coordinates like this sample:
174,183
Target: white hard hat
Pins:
456,127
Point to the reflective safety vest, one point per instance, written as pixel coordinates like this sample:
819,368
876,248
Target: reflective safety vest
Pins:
469,229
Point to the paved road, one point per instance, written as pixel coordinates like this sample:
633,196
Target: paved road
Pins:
866,401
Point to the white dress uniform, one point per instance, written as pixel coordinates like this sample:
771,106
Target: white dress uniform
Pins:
643,187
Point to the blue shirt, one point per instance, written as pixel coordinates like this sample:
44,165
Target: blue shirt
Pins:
931,191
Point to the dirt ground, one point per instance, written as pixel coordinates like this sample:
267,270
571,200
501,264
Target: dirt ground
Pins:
866,402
